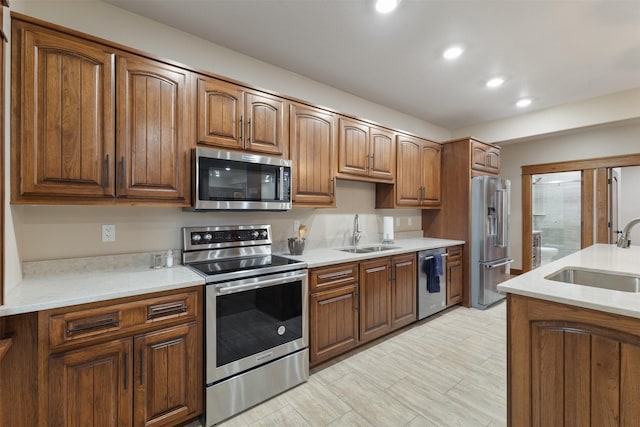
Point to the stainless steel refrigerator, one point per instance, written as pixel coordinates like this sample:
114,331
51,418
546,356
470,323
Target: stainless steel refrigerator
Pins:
490,205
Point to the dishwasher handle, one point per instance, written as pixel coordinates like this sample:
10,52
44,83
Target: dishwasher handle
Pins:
431,257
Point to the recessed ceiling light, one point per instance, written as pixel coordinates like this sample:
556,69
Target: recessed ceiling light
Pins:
524,102
453,52
495,82
386,6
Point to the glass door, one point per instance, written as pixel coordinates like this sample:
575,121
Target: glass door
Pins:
556,214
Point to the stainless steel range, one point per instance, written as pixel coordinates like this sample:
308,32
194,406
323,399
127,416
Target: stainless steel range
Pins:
256,316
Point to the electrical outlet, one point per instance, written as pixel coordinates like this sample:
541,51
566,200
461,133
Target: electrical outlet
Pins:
409,221
296,226
397,222
108,232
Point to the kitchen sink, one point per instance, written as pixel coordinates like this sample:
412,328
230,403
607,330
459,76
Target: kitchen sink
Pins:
597,278
368,249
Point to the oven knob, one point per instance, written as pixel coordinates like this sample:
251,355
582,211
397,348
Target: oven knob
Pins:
254,234
196,238
208,236
263,234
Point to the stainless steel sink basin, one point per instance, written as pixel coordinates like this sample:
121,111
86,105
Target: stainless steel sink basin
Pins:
368,249
355,250
597,278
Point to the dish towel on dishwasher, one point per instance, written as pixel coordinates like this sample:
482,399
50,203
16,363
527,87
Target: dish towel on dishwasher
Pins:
432,267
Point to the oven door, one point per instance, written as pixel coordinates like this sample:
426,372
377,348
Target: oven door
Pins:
253,321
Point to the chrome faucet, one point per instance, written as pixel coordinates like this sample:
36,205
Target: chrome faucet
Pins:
623,241
357,234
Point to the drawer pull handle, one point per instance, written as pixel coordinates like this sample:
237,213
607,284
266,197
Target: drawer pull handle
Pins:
335,275
126,369
84,328
155,313
141,366
335,299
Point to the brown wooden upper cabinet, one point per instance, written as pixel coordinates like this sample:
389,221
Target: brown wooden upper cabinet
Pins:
230,116
366,152
313,135
418,176
66,147
485,157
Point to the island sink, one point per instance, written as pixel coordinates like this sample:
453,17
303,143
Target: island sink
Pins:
597,278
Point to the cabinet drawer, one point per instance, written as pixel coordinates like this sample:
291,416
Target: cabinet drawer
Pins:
86,324
329,277
454,252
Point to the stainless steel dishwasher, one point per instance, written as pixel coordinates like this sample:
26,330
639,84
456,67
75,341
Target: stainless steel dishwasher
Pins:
430,301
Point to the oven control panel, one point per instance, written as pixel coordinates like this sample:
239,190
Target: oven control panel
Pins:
195,238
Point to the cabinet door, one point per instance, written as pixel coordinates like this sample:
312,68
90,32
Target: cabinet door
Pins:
431,160
63,130
375,299
92,386
333,322
478,156
403,285
353,151
153,131
409,180
454,281
312,144
493,160
383,154
595,369
220,114
168,376
265,125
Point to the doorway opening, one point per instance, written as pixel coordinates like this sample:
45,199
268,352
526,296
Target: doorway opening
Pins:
556,215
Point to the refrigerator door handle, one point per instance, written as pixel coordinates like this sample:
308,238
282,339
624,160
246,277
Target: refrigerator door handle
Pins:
500,264
503,231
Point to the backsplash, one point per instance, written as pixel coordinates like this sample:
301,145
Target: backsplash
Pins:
75,231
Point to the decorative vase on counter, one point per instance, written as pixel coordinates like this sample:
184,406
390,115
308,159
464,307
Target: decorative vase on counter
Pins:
296,245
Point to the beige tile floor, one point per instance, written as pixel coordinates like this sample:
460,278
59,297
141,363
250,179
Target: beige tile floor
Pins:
448,370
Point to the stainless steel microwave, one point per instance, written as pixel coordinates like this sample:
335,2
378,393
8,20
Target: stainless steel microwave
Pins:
226,180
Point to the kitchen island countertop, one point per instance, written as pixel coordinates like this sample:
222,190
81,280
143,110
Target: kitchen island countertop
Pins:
597,257
327,256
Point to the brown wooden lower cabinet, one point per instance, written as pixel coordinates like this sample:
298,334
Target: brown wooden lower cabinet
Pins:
571,366
403,290
375,298
333,321
167,387
131,362
354,303
454,275
92,386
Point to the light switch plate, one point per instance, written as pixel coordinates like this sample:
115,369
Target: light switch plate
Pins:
296,226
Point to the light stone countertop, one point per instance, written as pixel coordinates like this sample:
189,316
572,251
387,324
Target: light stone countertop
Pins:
60,283
597,257
328,256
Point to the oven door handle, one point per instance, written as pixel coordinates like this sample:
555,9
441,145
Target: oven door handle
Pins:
255,283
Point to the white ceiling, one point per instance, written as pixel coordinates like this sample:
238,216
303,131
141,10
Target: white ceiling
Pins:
555,52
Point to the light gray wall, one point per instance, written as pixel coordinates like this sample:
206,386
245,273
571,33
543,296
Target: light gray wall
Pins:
601,141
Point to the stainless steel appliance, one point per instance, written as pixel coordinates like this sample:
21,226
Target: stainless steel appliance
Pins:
256,316
431,301
234,181
490,205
